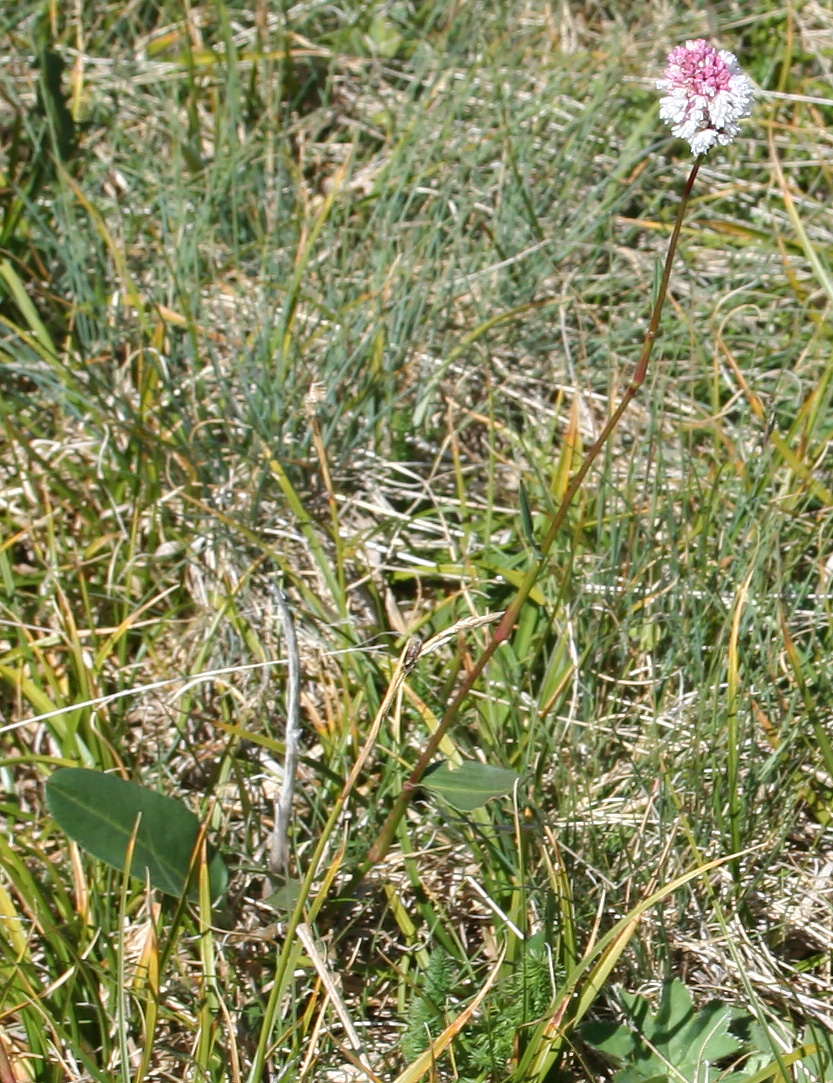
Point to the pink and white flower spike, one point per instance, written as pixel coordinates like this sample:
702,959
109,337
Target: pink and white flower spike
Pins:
707,95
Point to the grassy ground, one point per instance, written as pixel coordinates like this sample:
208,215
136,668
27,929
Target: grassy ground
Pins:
321,299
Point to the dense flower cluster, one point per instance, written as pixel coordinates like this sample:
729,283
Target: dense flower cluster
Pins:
707,95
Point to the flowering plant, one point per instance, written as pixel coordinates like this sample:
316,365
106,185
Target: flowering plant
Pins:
707,95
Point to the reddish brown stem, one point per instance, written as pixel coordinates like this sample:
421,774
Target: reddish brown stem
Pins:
507,623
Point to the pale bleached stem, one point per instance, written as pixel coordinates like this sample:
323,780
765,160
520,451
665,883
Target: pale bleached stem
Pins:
279,856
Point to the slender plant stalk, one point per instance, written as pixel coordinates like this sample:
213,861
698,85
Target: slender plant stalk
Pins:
279,851
302,911
504,629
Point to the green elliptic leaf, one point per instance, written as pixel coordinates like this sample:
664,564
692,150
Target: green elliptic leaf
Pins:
469,786
100,812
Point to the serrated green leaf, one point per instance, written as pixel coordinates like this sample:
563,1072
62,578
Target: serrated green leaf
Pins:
676,1042
469,786
690,1035
615,1041
634,1075
100,813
